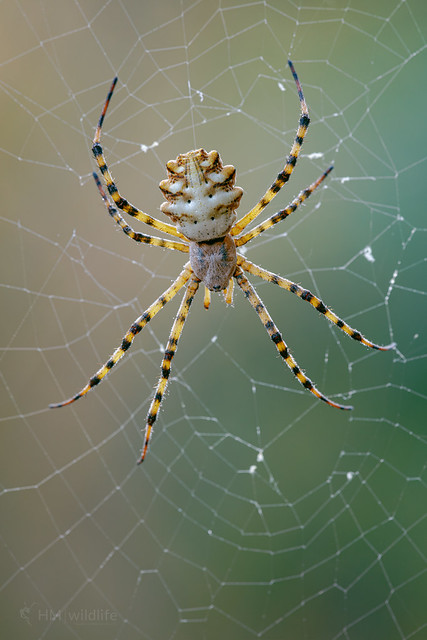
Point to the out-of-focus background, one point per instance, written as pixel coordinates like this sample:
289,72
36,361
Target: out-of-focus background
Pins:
259,512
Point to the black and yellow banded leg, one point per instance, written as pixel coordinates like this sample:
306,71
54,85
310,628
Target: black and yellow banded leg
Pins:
134,235
315,302
276,337
127,340
291,161
283,213
167,360
120,202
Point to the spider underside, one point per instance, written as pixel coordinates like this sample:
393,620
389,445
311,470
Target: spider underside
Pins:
201,201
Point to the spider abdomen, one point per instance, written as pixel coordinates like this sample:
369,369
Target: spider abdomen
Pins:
201,196
214,261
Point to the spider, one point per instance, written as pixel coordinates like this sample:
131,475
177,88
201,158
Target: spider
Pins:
201,201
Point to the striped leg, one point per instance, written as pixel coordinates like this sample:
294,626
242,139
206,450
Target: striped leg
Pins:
138,237
130,335
291,161
167,360
121,203
276,337
284,213
304,294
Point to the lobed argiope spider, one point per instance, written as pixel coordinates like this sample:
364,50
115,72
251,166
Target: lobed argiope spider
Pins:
201,200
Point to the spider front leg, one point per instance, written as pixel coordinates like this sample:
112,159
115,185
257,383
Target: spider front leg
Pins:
130,335
273,332
175,334
315,302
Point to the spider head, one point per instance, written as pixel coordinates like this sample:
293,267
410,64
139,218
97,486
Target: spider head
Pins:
200,194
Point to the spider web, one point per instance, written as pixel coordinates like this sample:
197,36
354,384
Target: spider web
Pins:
259,512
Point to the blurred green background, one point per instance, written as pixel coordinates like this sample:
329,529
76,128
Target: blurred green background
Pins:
259,511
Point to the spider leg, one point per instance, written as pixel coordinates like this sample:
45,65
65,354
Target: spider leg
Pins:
138,237
130,335
315,302
167,360
273,332
291,161
283,213
207,298
228,292
120,202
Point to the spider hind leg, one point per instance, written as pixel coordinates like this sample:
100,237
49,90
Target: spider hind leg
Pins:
119,201
287,170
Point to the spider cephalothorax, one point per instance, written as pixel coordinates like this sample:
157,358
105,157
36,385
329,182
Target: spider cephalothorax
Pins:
201,202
